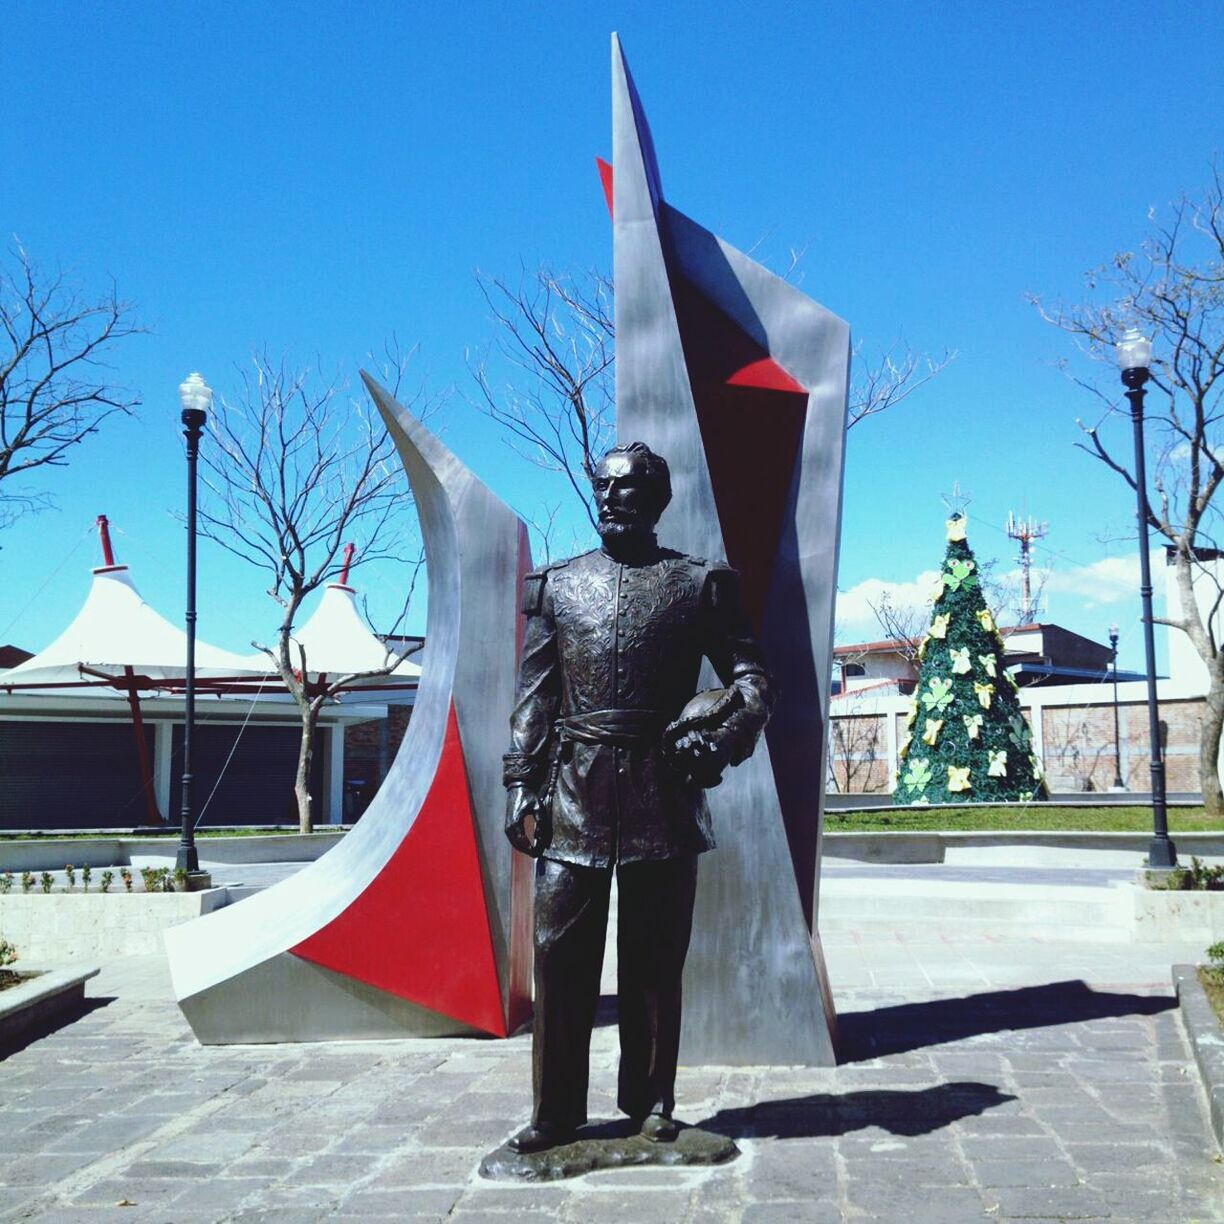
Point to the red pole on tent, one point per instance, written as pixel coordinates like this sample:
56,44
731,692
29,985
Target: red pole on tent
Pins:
349,550
108,555
152,815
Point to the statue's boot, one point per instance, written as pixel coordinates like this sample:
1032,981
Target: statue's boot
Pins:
538,1139
659,1128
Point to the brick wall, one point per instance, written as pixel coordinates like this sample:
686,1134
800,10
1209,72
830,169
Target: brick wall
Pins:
1077,746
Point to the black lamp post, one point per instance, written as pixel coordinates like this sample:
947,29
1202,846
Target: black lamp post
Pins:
196,399
1134,356
1113,652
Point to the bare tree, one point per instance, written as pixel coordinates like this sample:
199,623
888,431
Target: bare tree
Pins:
556,334
891,379
294,470
856,745
904,624
1172,289
55,386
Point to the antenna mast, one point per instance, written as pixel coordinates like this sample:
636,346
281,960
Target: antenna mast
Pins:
1025,531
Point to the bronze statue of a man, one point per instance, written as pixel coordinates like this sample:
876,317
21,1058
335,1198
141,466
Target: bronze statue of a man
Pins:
610,752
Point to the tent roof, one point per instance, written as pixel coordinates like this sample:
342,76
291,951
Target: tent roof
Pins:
116,629
338,642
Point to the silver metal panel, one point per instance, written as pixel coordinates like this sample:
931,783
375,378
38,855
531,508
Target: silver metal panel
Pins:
755,986
472,547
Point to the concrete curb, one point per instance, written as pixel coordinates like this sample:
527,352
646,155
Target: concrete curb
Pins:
51,994
51,853
1206,1038
938,846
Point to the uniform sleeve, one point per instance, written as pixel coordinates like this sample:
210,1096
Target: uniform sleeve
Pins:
539,690
732,648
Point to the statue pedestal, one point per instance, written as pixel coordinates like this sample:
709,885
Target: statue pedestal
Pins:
607,1145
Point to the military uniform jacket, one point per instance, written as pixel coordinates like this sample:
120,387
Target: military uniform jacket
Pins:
612,645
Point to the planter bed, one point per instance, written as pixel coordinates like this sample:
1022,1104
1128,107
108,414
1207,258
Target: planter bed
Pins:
51,853
61,926
1206,1039
45,996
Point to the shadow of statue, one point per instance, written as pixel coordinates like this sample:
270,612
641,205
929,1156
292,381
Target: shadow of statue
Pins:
827,1114
914,1026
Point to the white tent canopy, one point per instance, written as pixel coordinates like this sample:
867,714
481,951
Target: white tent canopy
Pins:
338,642
115,631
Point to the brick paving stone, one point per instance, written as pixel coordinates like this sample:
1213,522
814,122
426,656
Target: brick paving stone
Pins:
824,1211
994,1174
39,1169
1064,1203
547,1199
606,1206
949,1203
434,1204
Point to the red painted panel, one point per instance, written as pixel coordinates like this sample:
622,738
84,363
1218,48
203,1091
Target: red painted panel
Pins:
421,928
605,177
752,433
767,374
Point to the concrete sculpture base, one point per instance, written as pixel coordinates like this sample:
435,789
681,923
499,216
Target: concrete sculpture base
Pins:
610,1145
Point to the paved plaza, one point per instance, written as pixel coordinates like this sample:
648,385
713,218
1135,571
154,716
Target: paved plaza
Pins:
988,1077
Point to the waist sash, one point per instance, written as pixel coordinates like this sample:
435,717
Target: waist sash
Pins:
619,728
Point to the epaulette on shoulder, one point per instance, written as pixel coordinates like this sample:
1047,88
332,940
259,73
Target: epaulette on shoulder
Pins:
533,587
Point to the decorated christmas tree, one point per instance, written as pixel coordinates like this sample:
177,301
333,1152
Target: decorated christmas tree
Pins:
966,739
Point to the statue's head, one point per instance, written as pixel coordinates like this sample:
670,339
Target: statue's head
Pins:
632,488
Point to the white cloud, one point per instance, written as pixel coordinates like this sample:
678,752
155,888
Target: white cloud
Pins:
1074,589
855,619
1110,580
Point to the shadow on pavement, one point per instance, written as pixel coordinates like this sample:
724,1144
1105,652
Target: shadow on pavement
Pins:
913,1026
40,1029
824,1114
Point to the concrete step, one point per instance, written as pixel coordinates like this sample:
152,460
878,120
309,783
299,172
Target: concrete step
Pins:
1104,913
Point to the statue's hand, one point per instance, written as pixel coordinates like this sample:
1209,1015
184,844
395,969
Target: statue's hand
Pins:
523,805
703,755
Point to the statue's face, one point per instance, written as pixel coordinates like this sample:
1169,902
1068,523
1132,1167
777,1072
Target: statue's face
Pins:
627,498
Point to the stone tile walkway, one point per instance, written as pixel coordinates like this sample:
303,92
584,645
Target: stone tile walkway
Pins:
986,1081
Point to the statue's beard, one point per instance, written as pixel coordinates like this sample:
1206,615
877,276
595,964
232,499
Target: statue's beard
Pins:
619,536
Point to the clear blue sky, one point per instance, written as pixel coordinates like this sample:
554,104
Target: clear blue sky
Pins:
312,177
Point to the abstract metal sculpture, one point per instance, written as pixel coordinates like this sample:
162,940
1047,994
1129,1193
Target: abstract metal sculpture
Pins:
741,381
417,923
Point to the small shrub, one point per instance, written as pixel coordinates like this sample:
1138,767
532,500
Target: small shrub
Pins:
1198,877
27,881
180,878
6,882
125,874
156,879
108,878
46,880
1215,955
86,876
70,875
8,954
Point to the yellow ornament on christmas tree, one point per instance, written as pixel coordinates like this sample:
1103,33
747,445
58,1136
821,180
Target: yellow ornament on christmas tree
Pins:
958,778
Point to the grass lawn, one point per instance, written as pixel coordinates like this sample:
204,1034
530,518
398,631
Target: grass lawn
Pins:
1027,817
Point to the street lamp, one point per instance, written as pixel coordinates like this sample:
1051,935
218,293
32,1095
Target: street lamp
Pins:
1113,651
196,399
1134,352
